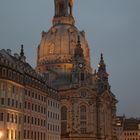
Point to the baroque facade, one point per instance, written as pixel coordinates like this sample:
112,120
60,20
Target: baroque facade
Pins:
62,96
88,107
25,101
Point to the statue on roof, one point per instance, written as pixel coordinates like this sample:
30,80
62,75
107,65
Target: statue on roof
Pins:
71,2
63,7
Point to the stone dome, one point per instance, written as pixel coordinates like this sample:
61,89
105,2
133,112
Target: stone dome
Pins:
57,46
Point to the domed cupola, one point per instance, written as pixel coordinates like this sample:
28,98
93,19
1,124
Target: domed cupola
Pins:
57,46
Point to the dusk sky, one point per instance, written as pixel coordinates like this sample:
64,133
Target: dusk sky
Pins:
112,27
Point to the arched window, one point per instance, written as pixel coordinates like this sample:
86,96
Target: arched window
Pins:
83,119
83,112
63,120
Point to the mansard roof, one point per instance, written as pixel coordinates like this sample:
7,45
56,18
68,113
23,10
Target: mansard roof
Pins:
23,68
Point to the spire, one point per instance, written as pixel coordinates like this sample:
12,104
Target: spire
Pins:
22,51
102,65
102,59
63,12
22,57
102,76
78,49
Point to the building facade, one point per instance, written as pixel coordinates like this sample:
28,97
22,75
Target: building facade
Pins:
129,128
24,95
120,127
62,98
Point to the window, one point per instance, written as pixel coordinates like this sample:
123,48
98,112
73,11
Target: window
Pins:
1,116
28,105
7,133
64,120
83,130
12,133
83,117
82,76
24,118
139,126
32,94
63,113
19,135
32,107
83,94
2,101
24,134
83,112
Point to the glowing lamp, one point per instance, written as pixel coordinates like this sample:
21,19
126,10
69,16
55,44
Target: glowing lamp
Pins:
0,134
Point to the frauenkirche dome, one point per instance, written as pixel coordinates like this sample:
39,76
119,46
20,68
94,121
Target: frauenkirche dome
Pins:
56,49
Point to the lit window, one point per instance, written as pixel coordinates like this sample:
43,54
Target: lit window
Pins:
139,126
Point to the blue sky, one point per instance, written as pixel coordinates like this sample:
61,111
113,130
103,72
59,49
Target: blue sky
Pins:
112,27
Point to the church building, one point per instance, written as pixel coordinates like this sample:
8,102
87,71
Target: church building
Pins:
88,107
63,98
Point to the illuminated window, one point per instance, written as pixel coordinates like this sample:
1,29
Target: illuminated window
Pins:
139,126
12,133
7,133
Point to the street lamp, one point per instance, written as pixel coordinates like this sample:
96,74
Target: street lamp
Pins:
1,134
